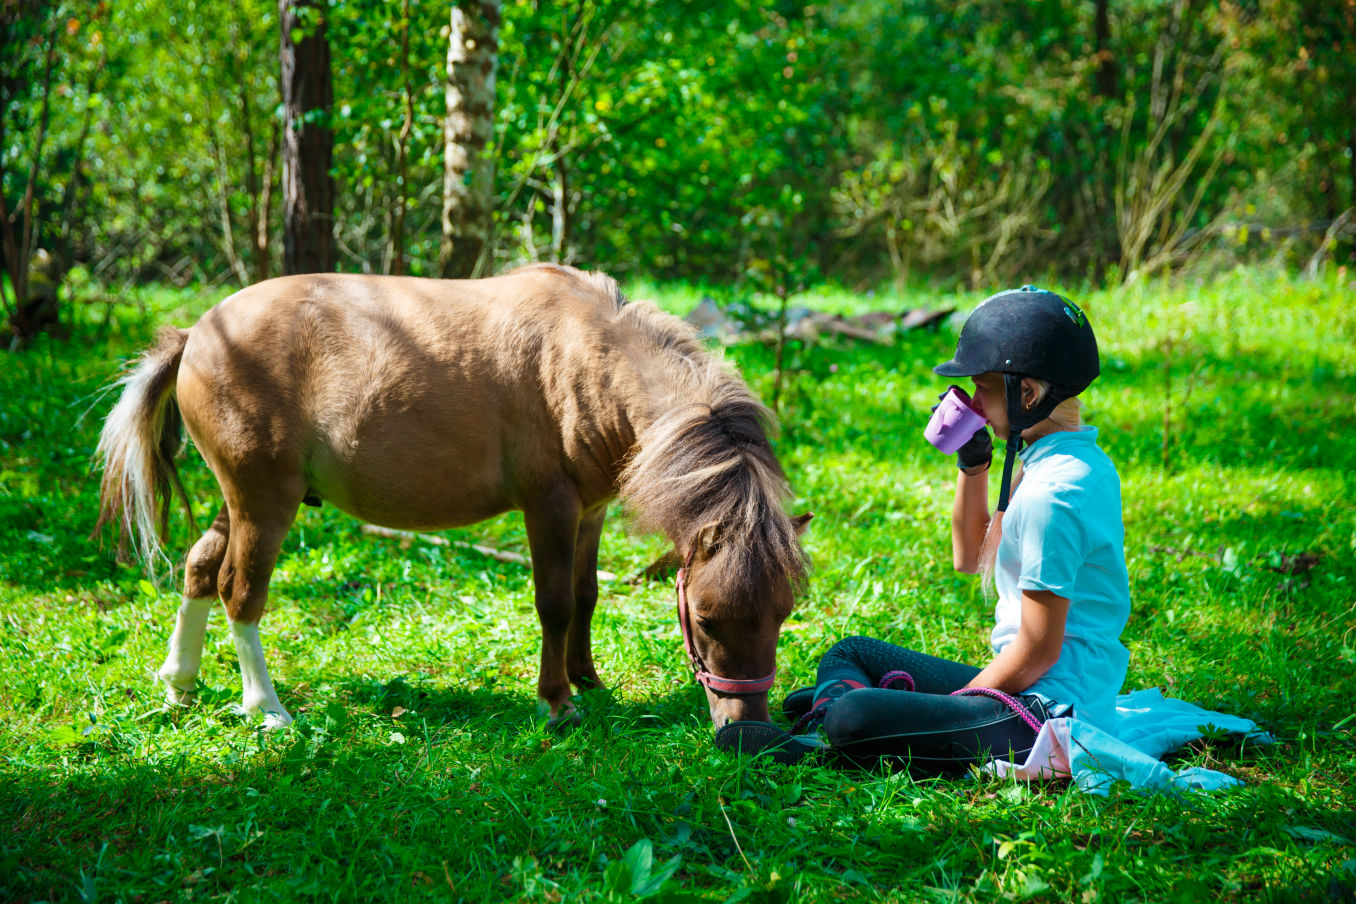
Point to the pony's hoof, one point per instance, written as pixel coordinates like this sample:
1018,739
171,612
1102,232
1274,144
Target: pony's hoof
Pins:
276,721
565,723
565,718
177,698
175,693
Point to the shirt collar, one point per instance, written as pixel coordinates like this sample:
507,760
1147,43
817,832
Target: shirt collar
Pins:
1059,441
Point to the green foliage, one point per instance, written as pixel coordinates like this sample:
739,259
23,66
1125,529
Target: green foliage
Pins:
634,877
186,143
419,770
369,78
690,139
966,142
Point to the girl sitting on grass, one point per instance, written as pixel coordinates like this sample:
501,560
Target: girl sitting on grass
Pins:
1056,556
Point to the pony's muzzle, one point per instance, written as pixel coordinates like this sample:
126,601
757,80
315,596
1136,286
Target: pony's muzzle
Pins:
726,708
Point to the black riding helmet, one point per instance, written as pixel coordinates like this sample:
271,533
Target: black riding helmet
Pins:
1026,332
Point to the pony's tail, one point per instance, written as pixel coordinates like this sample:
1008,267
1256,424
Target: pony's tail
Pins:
140,439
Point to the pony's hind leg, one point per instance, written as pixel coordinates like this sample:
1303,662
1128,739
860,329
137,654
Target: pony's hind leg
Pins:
579,640
255,541
179,673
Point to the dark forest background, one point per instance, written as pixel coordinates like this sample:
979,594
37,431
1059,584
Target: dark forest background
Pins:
724,142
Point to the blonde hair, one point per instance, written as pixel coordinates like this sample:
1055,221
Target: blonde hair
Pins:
1068,415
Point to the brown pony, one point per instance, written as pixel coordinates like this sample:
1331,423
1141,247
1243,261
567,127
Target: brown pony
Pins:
426,404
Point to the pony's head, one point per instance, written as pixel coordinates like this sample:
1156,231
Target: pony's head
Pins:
705,474
731,604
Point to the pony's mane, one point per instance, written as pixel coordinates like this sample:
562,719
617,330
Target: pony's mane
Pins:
707,458
589,283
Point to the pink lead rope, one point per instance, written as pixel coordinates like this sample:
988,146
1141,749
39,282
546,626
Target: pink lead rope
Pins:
1007,700
704,677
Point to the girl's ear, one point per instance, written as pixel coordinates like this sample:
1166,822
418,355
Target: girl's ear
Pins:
1031,394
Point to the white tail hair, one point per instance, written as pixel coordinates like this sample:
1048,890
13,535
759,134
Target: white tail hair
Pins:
141,436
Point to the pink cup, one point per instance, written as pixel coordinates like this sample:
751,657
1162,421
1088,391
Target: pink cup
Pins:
954,421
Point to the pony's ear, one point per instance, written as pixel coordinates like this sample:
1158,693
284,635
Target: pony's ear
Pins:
800,522
706,541
661,568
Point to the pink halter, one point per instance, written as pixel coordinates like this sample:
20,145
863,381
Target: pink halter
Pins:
714,682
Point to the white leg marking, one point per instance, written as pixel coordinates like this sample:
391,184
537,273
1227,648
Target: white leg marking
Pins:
259,695
180,671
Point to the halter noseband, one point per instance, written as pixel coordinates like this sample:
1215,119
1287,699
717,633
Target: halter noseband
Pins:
704,677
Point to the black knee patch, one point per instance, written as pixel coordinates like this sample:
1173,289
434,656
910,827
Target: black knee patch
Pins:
852,718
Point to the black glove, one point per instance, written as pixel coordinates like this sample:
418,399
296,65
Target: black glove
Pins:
978,449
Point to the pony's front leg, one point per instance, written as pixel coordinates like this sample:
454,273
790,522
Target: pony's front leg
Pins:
579,643
551,531
259,695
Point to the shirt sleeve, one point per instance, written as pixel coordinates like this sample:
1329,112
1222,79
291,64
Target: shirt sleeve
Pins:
1051,542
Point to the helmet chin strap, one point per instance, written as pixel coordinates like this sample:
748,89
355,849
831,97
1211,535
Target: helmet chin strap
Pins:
1019,419
1004,492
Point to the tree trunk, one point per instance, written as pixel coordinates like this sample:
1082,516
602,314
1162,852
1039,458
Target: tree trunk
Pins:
402,146
1106,60
35,308
468,167
308,190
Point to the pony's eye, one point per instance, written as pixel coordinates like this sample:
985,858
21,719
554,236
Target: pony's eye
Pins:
703,623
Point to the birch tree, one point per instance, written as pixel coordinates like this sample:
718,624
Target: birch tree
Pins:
468,127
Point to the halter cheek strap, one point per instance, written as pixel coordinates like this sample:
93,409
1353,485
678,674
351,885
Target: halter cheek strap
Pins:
703,675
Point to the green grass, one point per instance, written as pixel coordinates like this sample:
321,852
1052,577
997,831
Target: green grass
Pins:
419,770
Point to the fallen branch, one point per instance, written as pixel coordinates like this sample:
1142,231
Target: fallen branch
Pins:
1345,223
879,327
824,323
924,319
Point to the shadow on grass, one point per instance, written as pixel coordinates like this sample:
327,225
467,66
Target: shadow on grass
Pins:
316,811
460,782
349,807
600,710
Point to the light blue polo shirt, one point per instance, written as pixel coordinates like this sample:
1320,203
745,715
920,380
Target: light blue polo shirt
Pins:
1063,533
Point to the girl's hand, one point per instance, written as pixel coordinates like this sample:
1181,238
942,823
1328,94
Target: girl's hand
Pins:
977,451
